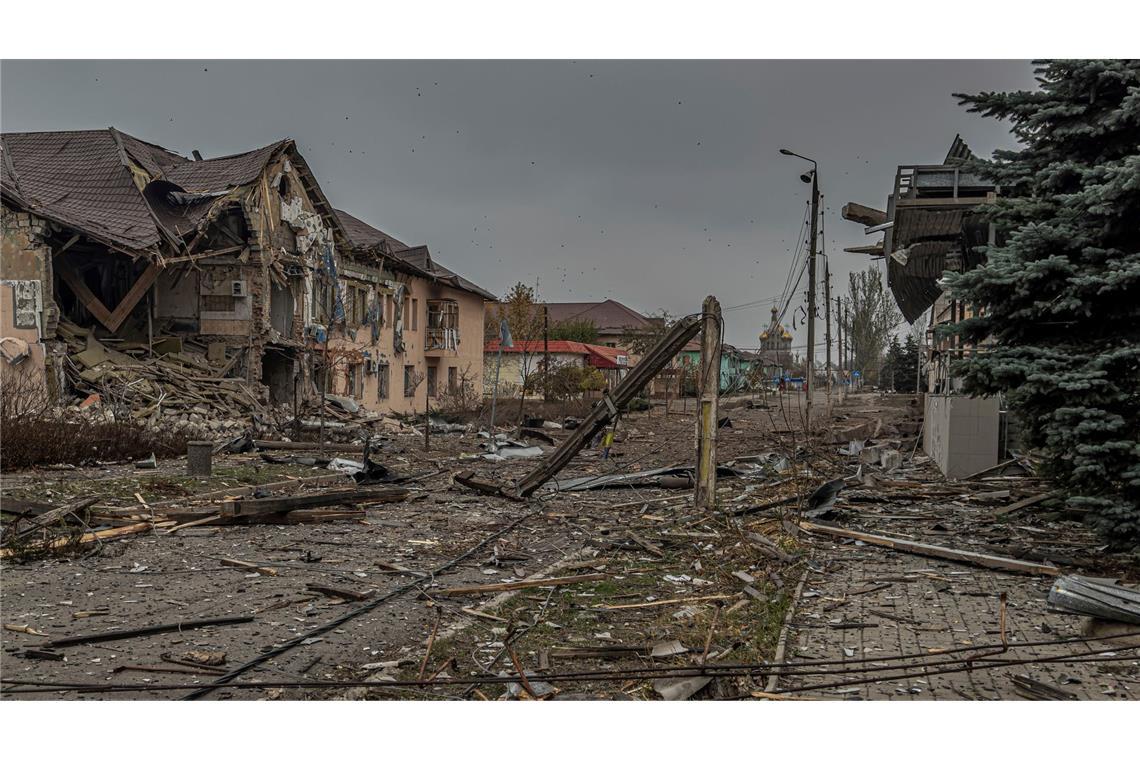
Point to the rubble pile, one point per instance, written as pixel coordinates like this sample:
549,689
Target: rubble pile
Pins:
166,382
170,382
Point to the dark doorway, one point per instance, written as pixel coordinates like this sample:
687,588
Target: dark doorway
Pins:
278,368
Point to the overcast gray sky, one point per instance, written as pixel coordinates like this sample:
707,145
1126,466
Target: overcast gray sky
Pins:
653,183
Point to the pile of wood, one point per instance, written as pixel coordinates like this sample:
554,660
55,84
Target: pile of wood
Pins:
163,379
36,528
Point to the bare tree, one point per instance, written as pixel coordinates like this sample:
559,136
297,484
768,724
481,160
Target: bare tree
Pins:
524,317
872,319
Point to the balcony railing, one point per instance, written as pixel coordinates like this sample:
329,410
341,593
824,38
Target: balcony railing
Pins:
442,326
442,339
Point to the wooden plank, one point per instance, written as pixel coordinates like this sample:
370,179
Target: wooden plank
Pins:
53,516
493,588
663,602
243,565
132,633
133,296
89,300
98,535
271,505
1029,501
654,550
929,550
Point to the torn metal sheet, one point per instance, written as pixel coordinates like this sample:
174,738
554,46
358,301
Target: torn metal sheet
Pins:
1095,597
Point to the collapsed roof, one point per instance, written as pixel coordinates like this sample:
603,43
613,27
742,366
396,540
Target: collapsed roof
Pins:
131,195
931,225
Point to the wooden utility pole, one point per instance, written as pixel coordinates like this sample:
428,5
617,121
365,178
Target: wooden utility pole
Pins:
827,329
707,411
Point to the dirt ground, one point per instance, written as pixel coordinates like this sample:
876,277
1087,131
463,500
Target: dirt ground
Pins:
664,586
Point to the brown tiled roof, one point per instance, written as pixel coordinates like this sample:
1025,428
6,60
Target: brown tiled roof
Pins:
82,179
606,315
225,172
365,235
417,257
79,179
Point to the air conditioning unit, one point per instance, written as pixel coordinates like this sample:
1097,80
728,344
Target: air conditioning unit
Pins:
237,288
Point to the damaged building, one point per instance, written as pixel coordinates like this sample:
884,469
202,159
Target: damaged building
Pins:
215,287
932,225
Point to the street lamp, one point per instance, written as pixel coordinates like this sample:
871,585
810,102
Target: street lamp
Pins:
811,177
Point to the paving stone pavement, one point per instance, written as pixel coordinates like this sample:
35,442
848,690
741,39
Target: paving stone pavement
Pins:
860,601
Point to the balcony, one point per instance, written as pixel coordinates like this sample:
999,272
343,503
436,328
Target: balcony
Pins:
442,336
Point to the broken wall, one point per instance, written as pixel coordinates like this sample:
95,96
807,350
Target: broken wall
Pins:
27,313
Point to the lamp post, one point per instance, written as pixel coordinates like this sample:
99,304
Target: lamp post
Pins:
812,178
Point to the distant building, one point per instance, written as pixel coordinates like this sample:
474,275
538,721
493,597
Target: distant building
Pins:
525,357
775,347
617,324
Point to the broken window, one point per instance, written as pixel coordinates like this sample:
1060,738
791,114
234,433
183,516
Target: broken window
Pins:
324,300
453,380
383,377
432,380
409,380
350,305
281,309
356,380
442,325
415,314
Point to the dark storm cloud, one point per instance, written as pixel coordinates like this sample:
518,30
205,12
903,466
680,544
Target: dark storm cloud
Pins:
654,183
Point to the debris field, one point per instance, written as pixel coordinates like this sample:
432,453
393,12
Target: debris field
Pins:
836,566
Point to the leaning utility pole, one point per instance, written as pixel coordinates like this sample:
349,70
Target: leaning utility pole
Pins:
707,412
827,333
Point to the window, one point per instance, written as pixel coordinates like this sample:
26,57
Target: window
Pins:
415,314
350,305
355,374
356,303
442,325
453,380
324,300
383,377
409,380
432,380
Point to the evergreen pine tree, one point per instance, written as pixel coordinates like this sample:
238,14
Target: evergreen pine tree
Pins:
891,366
908,365
1059,296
